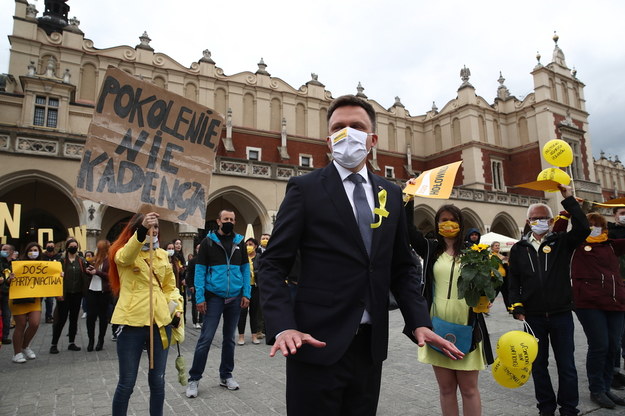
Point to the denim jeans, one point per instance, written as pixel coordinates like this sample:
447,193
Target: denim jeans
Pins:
215,308
130,343
6,315
49,307
603,334
557,329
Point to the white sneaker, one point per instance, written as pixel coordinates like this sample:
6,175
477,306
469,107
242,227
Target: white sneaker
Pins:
192,388
29,353
84,315
19,358
229,383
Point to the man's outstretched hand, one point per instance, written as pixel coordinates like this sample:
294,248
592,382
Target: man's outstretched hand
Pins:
425,335
289,341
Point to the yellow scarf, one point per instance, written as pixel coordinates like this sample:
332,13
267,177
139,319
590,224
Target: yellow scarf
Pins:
598,239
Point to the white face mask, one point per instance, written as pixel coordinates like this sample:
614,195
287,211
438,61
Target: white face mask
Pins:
170,253
621,219
33,255
146,246
349,147
540,227
595,231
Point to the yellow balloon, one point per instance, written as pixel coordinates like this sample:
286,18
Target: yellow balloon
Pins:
554,174
558,153
517,349
509,377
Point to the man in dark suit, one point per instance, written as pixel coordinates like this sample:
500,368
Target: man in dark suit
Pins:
335,331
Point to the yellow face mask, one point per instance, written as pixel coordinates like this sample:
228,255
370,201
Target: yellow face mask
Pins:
263,243
448,229
250,249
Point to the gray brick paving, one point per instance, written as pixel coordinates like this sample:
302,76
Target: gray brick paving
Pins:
83,383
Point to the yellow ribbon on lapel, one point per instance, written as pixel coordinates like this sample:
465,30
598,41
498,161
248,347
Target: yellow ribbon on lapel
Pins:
381,210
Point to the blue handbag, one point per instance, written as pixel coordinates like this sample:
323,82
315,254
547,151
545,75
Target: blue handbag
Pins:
460,335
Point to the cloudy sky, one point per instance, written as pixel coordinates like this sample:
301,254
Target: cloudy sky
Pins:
406,48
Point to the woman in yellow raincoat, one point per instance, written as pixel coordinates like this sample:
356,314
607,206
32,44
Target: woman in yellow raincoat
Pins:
130,276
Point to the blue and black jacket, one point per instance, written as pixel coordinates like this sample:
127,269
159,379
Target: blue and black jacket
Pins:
226,275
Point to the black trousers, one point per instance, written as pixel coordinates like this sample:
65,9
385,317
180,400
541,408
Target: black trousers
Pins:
70,305
350,387
98,304
256,316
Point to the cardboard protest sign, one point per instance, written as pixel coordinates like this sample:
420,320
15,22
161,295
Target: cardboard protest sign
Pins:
149,149
36,279
435,183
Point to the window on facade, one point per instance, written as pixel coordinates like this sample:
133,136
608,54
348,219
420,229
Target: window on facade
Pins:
306,161
497,171
46,111
389,171
253,153
575,169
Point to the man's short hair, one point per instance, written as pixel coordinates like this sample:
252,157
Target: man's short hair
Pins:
615,209
222,211
539,204
353,101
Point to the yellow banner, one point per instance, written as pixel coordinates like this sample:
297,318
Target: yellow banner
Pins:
435,183
36,279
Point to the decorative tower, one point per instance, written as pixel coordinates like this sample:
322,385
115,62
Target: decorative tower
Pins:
54,17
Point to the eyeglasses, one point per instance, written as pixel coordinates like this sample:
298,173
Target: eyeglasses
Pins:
539,218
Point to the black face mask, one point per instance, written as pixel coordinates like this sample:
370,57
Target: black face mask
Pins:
227,227
72,250
49,249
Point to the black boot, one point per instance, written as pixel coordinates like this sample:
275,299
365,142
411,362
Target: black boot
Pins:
90,345
99,345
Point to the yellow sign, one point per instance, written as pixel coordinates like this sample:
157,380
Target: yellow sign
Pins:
544,185
36,279
435,183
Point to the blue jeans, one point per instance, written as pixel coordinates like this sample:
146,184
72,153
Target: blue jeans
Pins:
215,308
130,343
558,329
603,334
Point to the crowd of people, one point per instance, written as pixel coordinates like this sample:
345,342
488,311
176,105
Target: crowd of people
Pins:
318,291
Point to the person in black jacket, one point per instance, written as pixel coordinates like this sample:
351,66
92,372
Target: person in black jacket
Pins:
540,293
616,229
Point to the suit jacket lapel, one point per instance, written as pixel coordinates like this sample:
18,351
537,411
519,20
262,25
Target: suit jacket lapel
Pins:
334,187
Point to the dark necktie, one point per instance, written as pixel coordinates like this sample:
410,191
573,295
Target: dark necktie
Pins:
363,210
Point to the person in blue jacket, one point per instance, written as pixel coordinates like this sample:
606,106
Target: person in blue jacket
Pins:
222,287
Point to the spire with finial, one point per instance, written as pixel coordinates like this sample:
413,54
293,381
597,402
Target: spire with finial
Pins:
558,55
54,17
538,64
262,68
145,41
314,80
397,102
502,91
465,73
434,107
206,57
360,90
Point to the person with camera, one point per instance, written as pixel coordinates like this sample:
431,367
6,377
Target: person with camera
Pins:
141,274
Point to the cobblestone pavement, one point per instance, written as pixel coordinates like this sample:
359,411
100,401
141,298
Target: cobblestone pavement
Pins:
83,383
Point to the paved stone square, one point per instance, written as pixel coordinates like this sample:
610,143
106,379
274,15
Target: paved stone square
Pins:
83,383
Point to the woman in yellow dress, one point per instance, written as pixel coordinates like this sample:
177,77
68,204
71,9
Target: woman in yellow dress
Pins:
27,314
442,268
